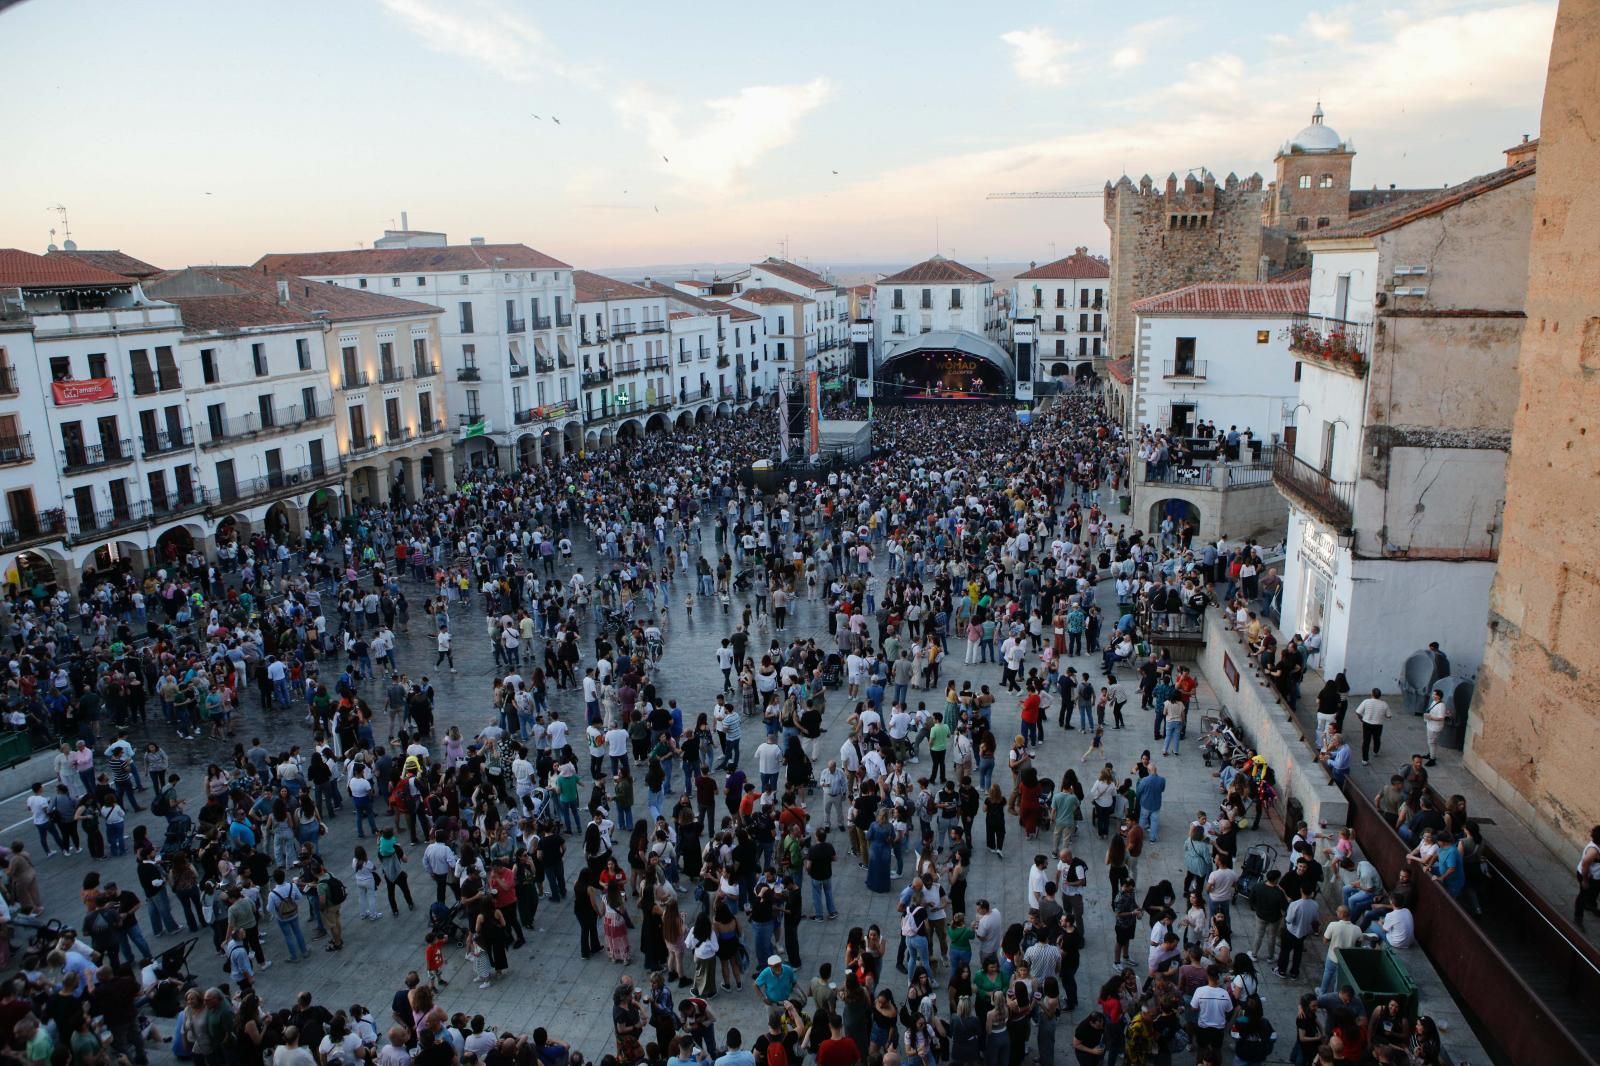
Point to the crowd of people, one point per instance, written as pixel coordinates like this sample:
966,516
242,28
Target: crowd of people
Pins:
967,530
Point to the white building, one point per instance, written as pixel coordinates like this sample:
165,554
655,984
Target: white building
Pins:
788,323
935,295
93,364
1396,474
828,349
1066,301
623,353
509,343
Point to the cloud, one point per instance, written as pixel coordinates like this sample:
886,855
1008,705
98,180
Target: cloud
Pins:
1137,41
1038,55
1329,28
487,33
711,154
1127,58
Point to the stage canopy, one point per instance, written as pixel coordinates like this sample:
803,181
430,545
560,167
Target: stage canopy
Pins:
949,361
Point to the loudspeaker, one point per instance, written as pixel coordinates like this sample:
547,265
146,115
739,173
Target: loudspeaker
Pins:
859,367
1024,362
796,412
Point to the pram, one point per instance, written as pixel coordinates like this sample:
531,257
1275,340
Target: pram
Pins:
744,579
833,670
179,836
448,923
1257,861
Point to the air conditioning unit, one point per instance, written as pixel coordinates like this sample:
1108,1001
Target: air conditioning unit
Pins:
1409,271
294,478
1415,291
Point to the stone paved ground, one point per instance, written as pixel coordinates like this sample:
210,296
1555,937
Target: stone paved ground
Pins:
550,984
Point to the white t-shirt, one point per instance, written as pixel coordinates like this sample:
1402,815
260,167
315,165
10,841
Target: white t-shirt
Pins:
1400,928
39,807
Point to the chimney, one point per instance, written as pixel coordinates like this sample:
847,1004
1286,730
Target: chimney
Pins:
1525,152
283,291
477,242
405,223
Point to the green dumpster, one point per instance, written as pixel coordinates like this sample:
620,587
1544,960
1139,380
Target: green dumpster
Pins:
1125,503
1378,975
15,748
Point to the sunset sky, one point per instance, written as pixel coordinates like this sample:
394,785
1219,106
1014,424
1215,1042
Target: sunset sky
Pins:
187,132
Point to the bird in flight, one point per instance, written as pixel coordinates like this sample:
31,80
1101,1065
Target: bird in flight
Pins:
536,116
836,172
657,210
664,159
555,120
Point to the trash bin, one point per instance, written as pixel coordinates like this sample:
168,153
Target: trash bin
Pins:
1378,975
1125,503
14,748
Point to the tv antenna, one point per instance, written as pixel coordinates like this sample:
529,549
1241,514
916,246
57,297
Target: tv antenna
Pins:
66,227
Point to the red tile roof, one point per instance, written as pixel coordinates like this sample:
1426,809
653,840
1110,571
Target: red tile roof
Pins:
226,298
739,314
704,306
454,257
1121,369
772,296
20,269
1393,216
794,272
1239,298
112,260
861,290
1289,277
1075,267
675,315
935,270
592,288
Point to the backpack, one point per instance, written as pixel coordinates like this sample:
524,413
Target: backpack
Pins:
161,806
400,797
285,905
337,893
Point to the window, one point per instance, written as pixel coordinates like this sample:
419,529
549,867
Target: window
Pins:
352,369
955,299
465,308
217,420
1061,297
358,426
927,299
394,283
60,368
780,350
1061,323
1302,224
1183,355
1263,336
473,410
258,356
208,365
97,365
469,355
308,403
302,353
269,414
781,321
1305,181
1061,346
419,355
1097,323
421,282
1083,323
1083,297
1326,182
391,416
1083,346
1322,223
361,282
463,279
1097,347
166,368
425,410
144,382
899,323
1297,365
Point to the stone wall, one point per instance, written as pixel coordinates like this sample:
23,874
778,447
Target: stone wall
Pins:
1534,729
1192,231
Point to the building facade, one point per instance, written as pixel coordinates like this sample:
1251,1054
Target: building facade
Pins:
827,349
935,295
623,352
507,336
1396,475
1066,302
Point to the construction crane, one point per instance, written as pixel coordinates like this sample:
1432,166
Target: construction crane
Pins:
1075,195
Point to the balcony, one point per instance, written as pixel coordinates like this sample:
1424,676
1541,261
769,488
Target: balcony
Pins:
18,449
623,329
468,373
723,362
8,381
358,380
470,418
425,370
294,479
28,529
278,420
191,499
162,441
541,321
429,427
565,362
398,435
81,527
897,331
391,374
596,377
655,325
544,364
519,370
361,445
626,366
683,355
1214,473
1335,343
1184,369
81,457
599,336
727,392
705,390
657,362
563,321
516,325
1332,502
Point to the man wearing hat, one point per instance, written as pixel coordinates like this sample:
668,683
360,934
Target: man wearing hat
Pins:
775,984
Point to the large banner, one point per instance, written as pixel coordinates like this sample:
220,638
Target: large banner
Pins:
782,409
83,390
814,413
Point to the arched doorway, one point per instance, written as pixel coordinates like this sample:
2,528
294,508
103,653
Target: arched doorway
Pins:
279,522
527,450
35,572
629,430
1061,370
685,420
323,508
724,409
657,424
702,415
1180,511
172,546
573,431
1085,373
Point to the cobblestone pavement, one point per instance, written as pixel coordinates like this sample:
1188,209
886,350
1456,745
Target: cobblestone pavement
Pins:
549,984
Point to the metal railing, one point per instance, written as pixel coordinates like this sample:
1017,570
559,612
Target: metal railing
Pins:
545,364
565,361
564,320
467,373
148,384
1213,475
723,362
189,499
1184,368
429,427
1332,501
425,370
293,479
359,445
657,362
8,381
541,321
278,420
523,417
358,380
596,377
46,525
623,329
84,526
1336,341
163,441
519,370
469,418
90,456
516,325
390,374
654,325
626,366
18,449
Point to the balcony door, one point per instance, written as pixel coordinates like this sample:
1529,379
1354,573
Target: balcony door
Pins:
1330,433
108,436
24,515
149,432
227,484
314,451
1341,297
156,484
72,447
275,467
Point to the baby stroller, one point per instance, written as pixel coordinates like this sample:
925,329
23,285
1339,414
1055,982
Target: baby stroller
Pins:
173,979
1257,861
179,836
744,579
833,670
447,923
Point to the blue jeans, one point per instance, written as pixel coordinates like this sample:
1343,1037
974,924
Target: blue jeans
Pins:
116,842
763,932
1358,902
569,815
1150,822
820,891
161,919
293,938
1086,717
625,815
985,773
1170,746
133,937
917,953
1330,975
364,811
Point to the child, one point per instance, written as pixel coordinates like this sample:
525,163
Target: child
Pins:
434,954
688,603
1095,744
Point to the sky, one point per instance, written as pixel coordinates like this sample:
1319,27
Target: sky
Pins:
836,133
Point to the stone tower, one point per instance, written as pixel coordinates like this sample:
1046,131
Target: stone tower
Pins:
1190,231
1312,190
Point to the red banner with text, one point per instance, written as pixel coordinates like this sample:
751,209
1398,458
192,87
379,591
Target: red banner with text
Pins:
84,390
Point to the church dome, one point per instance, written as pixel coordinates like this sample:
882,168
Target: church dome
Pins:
1316,137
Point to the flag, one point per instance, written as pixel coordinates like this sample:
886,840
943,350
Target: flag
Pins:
814,414
480,428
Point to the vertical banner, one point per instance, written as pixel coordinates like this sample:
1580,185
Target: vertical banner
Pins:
814,413
781,409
